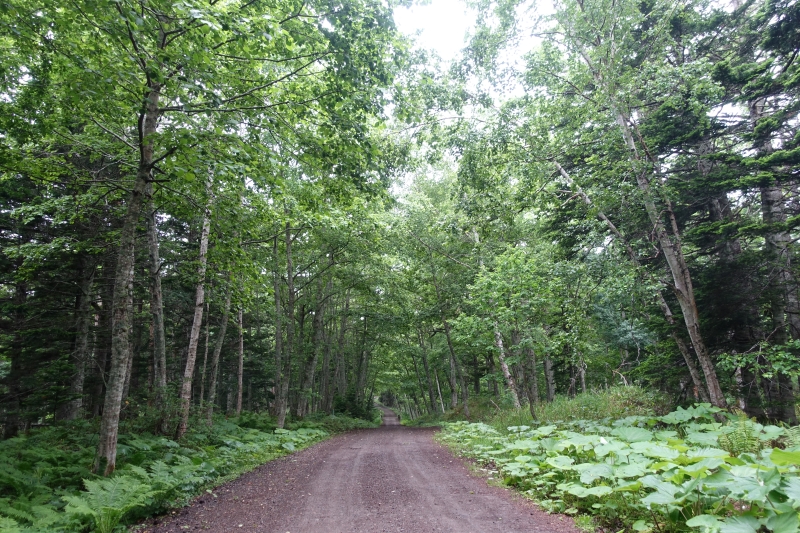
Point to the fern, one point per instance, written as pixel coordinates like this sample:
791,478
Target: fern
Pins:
793,436
8,525
36,510
741,437
108,500
23,483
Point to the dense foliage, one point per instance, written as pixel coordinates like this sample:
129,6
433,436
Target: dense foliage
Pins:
284,208
678,472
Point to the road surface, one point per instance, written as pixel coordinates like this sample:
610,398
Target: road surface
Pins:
393,479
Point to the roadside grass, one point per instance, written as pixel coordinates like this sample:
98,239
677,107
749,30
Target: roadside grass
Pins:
46,484
614,402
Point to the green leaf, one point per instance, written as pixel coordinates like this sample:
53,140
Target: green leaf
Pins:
740,524
632,434
562,462
707,521
783,523
781,457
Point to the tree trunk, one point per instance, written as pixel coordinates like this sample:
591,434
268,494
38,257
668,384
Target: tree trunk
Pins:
106,456
669,240
283,402
363,364
212,384
550,379
682,280
205,354
783,286
276,282
197,322
501,355
452,375
533,382
693,372
455,365
317,329
341,365
156,310
491,370
102,341
80,356
240,366
439,389
424,352
325,396
13,421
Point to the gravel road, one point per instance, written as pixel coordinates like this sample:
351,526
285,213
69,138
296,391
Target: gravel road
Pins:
393,479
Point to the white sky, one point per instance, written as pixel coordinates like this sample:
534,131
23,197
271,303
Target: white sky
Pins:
442,25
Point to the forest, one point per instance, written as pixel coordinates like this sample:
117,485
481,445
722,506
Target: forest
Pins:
281,210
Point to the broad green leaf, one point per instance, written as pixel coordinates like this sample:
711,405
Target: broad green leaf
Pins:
698,437
562,462
781,457
740,524
791,487
783,523
709,522
592,472
601,450
632,434
630,470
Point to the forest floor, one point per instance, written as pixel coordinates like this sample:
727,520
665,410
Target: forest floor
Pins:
392,478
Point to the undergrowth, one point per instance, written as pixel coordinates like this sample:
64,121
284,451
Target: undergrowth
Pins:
678,472
592,405
46,485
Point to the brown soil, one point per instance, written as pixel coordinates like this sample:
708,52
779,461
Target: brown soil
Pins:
393,478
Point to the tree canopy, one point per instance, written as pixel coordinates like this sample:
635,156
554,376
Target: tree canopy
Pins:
285,207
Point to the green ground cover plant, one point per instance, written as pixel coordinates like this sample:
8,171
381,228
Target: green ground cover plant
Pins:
46,484
683,471
598,404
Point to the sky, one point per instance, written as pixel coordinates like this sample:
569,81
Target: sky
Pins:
442,25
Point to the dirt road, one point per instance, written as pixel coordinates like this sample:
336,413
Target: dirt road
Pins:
393,478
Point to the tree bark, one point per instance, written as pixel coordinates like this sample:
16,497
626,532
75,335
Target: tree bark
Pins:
106,456
80,356
156,311
13,422
240,367
205,354
363,367
283,402
424,353
439,389
212,385
197,322
325,396
341,365
501,355
317,334
455,367
533,383
276,279
549,378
